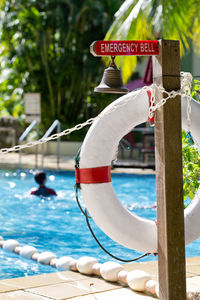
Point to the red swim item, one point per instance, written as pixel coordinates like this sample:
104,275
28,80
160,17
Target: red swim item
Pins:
43,191
93,175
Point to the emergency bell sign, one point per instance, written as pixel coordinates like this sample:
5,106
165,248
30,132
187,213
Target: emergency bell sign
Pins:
32,107
115,48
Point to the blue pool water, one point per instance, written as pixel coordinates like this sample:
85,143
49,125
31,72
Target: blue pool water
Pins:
56,224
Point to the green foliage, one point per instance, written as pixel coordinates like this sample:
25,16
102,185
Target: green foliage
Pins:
161,19
191,168
191,159
155,19
45,48
195,90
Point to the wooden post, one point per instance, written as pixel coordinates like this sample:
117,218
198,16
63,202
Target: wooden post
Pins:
169,182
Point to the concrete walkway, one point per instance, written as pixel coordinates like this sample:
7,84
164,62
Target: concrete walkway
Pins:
11,161
28,161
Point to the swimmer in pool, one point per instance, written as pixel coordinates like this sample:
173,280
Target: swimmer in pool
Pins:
42,190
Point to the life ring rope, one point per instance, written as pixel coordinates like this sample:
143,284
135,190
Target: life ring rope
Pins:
98,150
87,217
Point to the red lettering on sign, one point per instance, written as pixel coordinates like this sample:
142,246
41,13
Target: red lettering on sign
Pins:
115,48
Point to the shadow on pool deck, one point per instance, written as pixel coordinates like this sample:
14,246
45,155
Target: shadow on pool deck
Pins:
73,285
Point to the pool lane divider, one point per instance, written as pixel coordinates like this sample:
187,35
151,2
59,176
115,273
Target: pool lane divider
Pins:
137,280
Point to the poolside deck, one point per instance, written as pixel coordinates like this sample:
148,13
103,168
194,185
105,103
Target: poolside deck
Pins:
73,285
11,161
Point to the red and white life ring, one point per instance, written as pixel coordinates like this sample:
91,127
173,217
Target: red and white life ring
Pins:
97,152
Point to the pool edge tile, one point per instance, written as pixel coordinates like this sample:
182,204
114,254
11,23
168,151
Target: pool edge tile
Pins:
21,295
42,280
7,288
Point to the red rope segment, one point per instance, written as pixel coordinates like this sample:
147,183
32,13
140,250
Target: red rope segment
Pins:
93,175
151,120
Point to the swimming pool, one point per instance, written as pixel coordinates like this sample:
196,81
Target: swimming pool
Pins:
56,224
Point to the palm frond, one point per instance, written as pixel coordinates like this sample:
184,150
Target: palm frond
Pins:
156,19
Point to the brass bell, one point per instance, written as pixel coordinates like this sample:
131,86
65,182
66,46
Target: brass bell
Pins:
111,81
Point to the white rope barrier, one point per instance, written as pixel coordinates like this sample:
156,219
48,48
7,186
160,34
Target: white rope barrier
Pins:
185,84
137,280
110,271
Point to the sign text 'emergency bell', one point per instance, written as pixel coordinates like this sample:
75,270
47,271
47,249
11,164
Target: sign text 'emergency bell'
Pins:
115,48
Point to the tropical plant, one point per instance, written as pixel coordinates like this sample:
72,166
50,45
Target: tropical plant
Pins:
191,168
161,19
45,48
155,19
191,160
